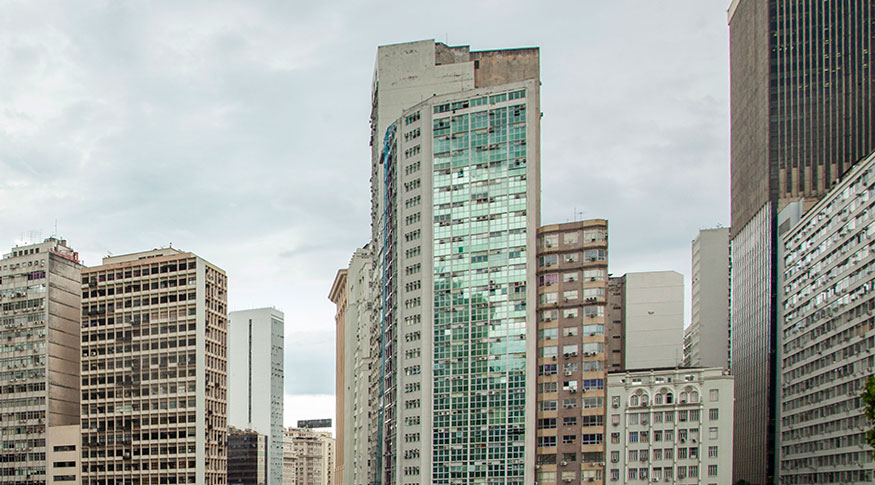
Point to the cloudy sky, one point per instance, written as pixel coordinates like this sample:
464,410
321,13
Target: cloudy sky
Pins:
239,131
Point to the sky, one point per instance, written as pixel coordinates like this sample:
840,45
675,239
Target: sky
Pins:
239,131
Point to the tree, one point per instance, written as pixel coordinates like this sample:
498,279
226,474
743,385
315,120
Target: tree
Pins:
869,409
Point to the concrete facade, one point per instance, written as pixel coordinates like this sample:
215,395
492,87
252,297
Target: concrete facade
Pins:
455,198
572,280
670,425
255,382
827,335
706,340
247,457
39,363
352,295
154,370
652,316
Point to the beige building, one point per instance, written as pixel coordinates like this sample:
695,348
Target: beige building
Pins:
572,281
308,457
352,294
154,370
670,425
648,309
39,364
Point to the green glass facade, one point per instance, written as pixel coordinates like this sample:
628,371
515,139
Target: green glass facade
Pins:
479,270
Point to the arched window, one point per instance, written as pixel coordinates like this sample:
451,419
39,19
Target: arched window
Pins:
669,397
644,400
633,401
657,399
694,396
683,396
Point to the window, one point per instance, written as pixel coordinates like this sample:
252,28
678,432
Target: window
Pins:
546,441
569,331
569,238
570,295
615,438
714,395
713,414
633,437
550,240
592,439
712,433
569,439
571,257
569,421
548,334
712,470
633,455
569,277
633,418
569,313
693,471
712,452
547,298
547,352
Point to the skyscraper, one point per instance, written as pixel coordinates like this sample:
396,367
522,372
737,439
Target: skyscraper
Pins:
572,278
455,187
154,370
39,364
802,115
255,387
706,340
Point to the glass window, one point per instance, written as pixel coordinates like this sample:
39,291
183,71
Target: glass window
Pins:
569,277
569,238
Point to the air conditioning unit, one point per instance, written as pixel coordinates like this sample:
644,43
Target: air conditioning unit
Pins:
566,480
564,463
567,373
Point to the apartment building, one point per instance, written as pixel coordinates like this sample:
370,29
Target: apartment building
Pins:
455,208
154,370
572,281
351,293
706,340
827,337
309,457
670,425
39,364
255,387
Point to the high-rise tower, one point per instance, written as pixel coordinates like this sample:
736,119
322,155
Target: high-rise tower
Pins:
455,187
154,370
255,387
803,113
39,364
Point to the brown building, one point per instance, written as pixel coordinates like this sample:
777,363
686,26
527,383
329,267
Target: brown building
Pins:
572,282
247,457
154,370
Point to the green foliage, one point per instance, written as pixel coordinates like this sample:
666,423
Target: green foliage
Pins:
869,409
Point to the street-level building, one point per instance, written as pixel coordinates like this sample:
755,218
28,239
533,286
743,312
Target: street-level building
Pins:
572,280
154,370
255,386
827,338
39,364
670,425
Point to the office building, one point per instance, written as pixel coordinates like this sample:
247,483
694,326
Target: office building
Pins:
247,457
309,457
649,307
572,279
255,387
706,340
828,336
154,370
670,425
39,367
802,82
352,294
455,208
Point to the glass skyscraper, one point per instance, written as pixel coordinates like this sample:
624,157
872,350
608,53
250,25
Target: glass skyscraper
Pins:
455,188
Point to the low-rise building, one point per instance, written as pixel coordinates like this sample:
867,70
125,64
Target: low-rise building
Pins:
670,425
247,457
308,457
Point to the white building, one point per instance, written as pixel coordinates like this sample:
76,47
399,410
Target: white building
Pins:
670,425
827,335
706,340
255,379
